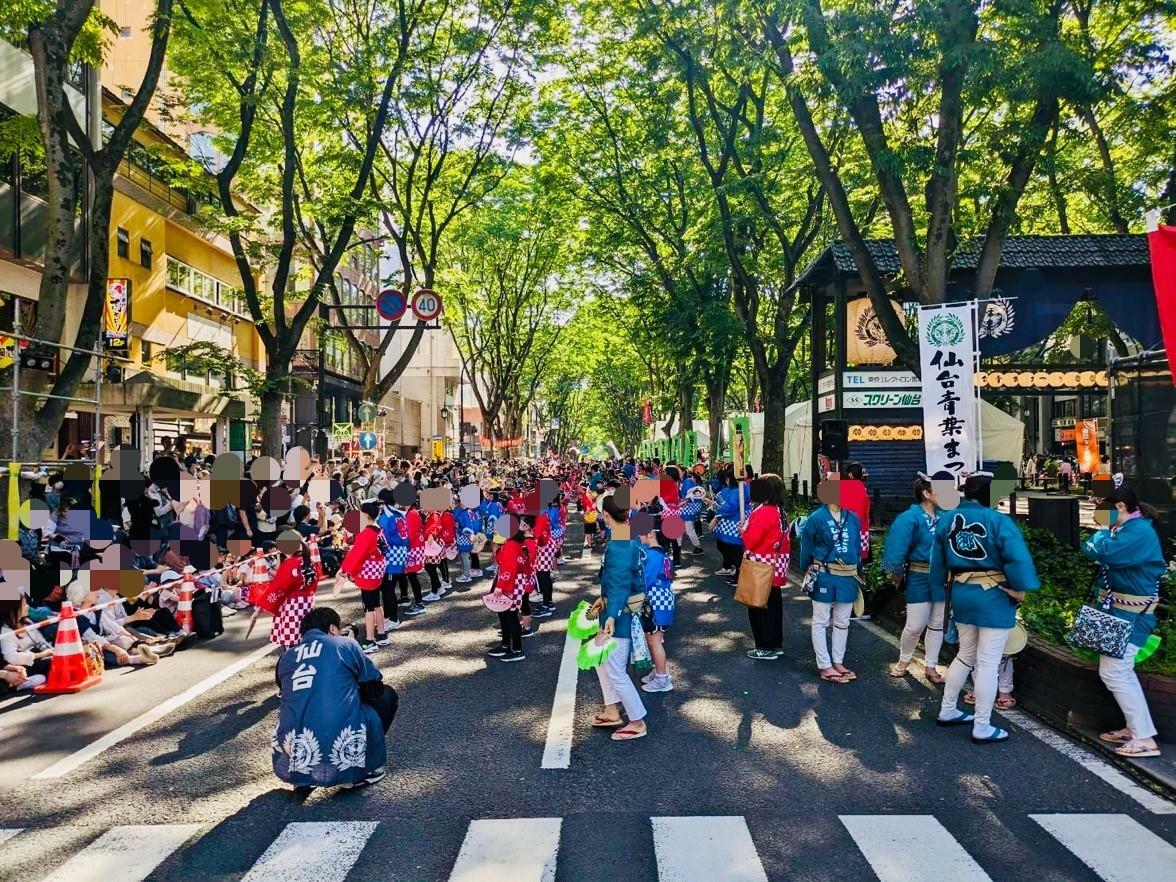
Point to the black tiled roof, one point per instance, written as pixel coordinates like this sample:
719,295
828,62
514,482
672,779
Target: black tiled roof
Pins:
1019,252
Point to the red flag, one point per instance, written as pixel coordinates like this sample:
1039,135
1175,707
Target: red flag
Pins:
647,415
1161,243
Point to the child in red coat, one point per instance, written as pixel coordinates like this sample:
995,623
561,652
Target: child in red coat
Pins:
516,576
364,565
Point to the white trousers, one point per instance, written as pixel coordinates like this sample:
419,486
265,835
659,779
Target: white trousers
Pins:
617,685
692,534
980,653
823,614
1118,674
922,617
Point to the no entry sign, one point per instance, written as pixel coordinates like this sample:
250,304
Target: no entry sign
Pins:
391,304
426,304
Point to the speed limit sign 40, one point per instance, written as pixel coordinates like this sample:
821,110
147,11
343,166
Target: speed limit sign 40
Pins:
426,304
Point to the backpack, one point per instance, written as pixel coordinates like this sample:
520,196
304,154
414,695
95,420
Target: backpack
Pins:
207,621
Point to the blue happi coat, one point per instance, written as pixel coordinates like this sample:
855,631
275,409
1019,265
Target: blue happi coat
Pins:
659,585
468,522
555,517
726,524
825,539
326,736
1133,564
490,510
690,509
975,537
910,539
395,527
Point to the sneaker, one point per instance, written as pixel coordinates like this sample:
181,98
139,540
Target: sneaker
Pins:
368,647
163,650
530,632
432,597
404,601
370,778
31,682
648,678
541,612
659,684
383,640
536,597
463,580
415,610
498,651
390,625
147,654
562,561
764,654
515,655
475,574
725,571
446,586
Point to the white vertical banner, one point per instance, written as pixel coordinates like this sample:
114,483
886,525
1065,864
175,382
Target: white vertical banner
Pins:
947,361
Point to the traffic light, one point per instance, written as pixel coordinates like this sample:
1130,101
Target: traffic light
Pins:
38,358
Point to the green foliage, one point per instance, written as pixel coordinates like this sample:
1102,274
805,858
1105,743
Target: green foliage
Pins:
18,17
239,379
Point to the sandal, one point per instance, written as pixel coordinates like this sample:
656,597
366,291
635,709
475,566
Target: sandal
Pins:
848,675
1005,702
833,677
934,676
969,698
898,669
1136,750
627,734
599,722
1119,736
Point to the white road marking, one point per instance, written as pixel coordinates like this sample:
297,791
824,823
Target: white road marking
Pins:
705,849
557,751
68,764
124,854
1116,847
1098,767
508,850
7,834
912,848
313,851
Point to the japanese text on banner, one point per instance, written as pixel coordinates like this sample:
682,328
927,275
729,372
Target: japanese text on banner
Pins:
947,357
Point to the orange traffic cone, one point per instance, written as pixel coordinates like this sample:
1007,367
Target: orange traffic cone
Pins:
67,672
315,557
184,610
260,573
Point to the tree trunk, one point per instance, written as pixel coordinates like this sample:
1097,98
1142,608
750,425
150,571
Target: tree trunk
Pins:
270,423
716,396
775,400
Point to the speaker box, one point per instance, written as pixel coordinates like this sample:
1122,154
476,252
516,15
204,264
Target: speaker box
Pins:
835,439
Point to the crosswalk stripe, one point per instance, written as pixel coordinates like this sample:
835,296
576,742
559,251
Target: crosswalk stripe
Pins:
705,849
508,850
912,848
124,854
1117,847
313,851
5,835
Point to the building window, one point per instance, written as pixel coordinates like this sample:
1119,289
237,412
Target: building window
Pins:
122,243
125,33
145,253
144,351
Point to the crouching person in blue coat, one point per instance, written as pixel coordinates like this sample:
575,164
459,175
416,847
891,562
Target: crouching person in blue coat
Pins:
982,555
334,710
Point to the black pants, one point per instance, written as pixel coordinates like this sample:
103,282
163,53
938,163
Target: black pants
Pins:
434,577
444,569
406,579
732,554
475,564
388,597
767,624
545,586
385,703
512,629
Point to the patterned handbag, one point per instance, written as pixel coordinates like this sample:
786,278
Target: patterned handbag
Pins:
1098,629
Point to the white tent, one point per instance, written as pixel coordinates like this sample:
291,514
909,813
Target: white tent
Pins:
1003,437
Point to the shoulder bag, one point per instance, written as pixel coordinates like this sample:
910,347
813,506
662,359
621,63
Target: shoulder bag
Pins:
1096,628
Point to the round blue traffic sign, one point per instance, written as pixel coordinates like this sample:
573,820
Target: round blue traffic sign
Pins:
391,304
367,440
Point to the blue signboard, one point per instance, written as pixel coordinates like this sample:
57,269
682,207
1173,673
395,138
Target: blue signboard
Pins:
368,440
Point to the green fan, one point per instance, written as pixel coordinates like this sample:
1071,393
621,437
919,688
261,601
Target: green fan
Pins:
579,625
592,655
1148,649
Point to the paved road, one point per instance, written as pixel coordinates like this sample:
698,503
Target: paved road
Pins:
752,771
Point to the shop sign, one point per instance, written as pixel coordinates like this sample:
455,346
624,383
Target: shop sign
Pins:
862,400
879,380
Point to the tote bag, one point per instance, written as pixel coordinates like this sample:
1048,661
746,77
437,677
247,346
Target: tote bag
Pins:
755,583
